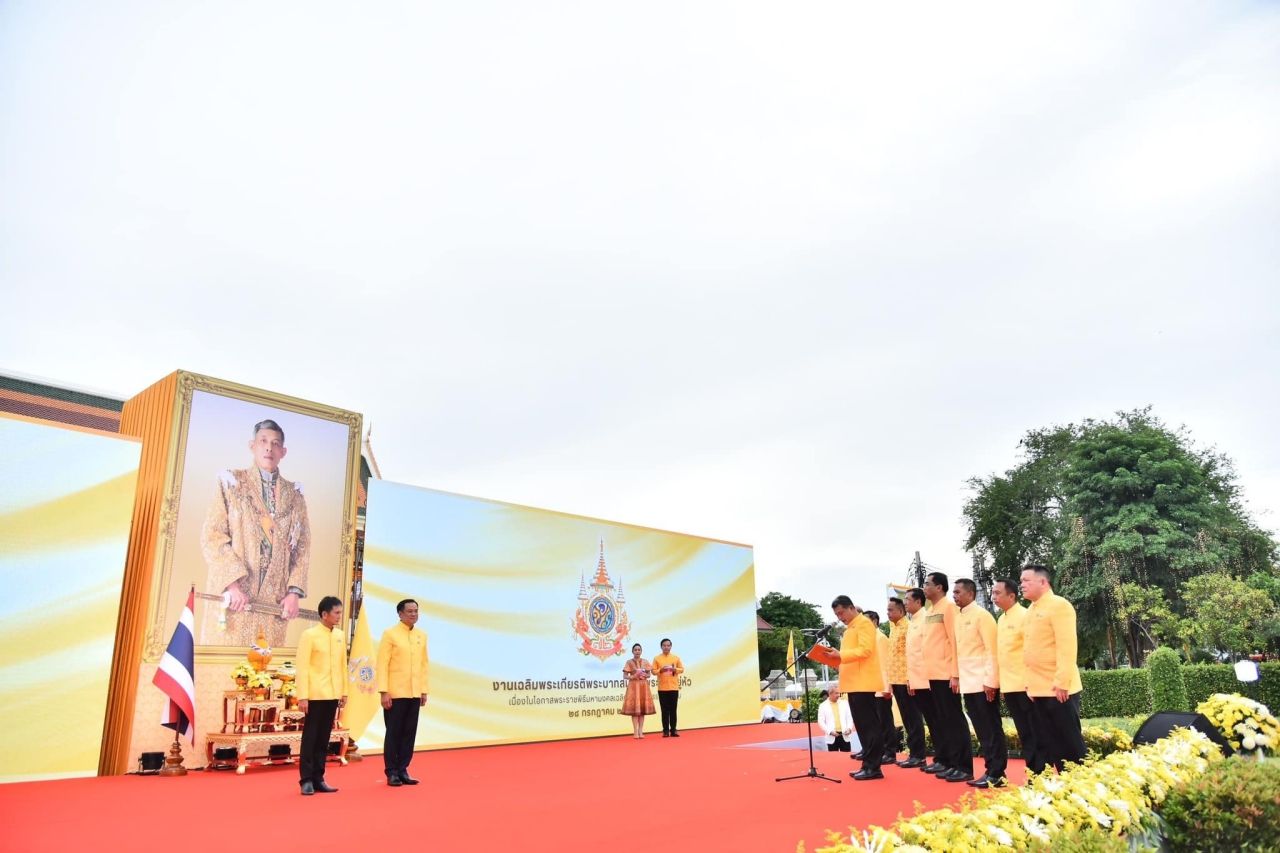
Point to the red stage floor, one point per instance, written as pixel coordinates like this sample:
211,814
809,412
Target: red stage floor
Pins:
708,790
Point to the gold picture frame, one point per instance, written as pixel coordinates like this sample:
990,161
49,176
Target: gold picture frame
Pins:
181,490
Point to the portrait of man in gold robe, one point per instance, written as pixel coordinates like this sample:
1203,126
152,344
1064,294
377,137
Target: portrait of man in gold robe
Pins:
256,542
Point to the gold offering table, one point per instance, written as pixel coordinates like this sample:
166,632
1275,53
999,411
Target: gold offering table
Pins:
251,726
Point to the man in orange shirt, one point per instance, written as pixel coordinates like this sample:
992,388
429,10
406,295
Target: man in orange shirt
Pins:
860,679
918,676
669,667
951,741
884,701
1053,679
1013,671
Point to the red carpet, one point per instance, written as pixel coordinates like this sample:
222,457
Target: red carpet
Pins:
702,791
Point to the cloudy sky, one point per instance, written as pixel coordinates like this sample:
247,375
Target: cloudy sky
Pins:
777,274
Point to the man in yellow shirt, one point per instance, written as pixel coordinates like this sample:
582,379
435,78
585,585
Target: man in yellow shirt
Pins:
951,742
884,701
860,679
1013,671
669,668
1053,679
918,676
912,723
402,685
980,681
321,689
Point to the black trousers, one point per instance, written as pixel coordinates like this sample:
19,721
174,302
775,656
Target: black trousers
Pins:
889,731
951,738
929,711
839,745
401,721
986,722
1058,729
912,722
315,739
866,721
667,701
1020,709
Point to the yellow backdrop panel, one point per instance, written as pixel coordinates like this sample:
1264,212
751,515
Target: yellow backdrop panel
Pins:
530,615
64,528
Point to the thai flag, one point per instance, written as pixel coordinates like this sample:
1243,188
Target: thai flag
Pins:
177,675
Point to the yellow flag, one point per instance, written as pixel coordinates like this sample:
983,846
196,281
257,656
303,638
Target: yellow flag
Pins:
791,652
362,681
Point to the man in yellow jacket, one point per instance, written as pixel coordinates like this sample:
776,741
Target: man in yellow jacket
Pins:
402,685
1010,633
953,750
1053,679
321,690
861,680
980,680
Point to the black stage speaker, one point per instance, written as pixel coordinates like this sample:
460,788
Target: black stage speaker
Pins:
1161,723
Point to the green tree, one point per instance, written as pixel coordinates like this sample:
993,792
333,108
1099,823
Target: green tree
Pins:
1110,502
783,611
1226,614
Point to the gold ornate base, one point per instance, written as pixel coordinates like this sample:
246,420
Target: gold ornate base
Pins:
173,762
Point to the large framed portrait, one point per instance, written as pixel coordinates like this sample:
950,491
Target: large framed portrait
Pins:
259,516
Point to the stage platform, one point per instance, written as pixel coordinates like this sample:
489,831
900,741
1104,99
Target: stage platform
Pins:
708,790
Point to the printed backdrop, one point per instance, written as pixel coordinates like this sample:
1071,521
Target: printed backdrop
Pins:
65,513
530,615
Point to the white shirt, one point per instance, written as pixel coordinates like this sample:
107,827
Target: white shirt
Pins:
834,718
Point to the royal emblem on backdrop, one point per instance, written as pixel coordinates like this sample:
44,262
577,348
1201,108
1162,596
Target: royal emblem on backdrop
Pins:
601,622
361,673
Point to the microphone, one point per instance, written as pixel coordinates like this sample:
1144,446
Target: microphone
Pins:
822,635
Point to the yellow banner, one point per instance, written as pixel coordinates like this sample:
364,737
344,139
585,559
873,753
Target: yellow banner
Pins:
531,615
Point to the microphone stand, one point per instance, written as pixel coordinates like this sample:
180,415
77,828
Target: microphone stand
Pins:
808,723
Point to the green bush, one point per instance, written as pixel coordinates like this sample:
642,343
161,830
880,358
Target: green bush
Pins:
1237,807
1115,693
1168,692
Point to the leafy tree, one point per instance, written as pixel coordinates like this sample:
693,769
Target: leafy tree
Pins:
1227,614
783,611
1115,502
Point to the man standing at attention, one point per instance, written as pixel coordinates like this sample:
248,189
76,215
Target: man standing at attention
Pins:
835,722
1053,680
918,676
669,667
322,690
951,737
402,684
980,681
898,682
1013,671
860,679
256,543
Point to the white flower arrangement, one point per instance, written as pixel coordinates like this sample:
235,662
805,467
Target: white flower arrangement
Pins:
1116,793
1247,725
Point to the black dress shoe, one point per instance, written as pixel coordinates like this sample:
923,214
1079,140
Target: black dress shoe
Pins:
308,789
889,758
675,734
986,782
394,781
406,779
979,782
325,788
911,763
666,734
857,756
958,776
935,767
864,775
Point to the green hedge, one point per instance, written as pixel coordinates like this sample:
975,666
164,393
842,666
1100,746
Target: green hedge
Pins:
1127,692
1115,693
